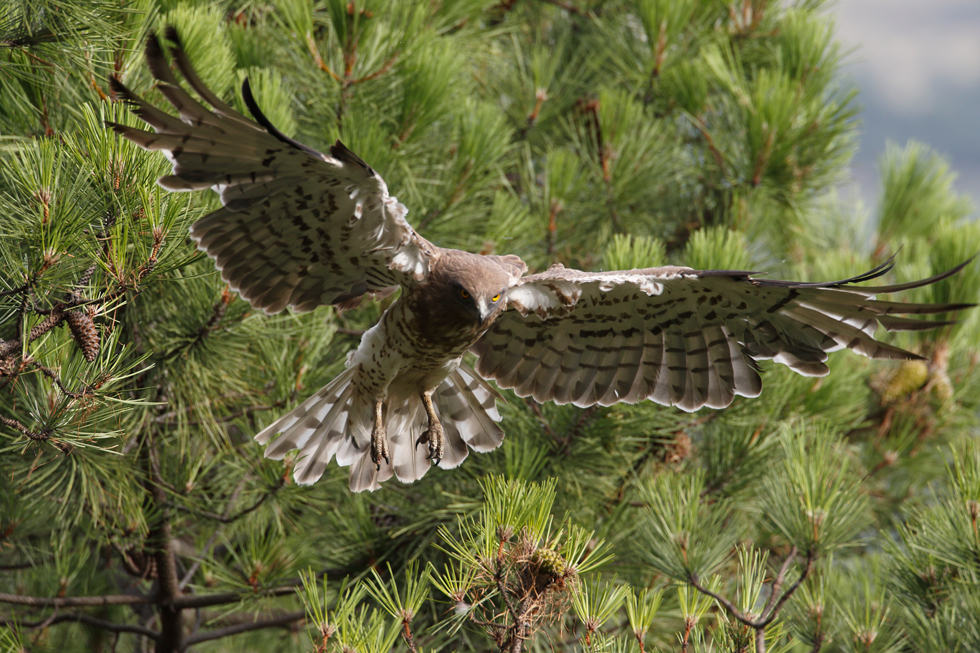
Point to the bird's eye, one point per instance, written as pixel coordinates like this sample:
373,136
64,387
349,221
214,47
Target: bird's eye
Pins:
495,297
464,294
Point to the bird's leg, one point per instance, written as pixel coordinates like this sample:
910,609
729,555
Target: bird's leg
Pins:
434,436
379,438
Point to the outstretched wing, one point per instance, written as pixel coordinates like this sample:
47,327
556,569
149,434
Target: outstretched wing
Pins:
298,228
682,337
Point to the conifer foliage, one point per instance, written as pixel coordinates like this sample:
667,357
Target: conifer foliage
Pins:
136,512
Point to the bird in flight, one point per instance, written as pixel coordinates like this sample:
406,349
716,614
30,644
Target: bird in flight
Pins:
299,229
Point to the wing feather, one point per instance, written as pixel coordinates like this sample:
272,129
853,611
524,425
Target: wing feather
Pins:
298,228
682,337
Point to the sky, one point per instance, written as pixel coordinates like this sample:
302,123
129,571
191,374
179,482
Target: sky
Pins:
916,64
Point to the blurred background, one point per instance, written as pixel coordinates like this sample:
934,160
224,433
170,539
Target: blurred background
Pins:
917,65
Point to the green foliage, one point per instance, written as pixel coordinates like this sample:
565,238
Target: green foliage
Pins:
682,536
812,501
627,253
718,248
918,190
603,135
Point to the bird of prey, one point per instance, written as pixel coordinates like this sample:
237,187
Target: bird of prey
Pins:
300,229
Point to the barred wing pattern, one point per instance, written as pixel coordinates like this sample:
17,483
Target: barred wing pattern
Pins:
682,337
298,228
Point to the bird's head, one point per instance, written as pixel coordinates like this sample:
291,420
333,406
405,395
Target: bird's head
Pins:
475,287
480,300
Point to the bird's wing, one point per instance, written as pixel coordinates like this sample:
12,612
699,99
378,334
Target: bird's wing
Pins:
679,336
298,228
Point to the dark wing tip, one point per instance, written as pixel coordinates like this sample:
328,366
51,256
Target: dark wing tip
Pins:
341,152
122,93
171,33
157,61
741,274
253,108
874,273
154,49
117,87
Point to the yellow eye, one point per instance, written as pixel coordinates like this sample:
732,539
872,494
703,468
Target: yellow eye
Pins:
464,294
495,298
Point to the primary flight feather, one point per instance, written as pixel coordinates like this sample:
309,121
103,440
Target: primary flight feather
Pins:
299,229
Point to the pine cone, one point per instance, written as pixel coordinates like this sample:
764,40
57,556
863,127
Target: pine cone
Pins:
47,323
907,378
549,562
85,334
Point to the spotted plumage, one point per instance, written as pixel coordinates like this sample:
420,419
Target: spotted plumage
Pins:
300,229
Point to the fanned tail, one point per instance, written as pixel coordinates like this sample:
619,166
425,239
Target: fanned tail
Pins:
336,422
317,427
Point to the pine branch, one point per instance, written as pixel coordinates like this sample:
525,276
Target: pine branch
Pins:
771,610
407,636
44,435
15,291
517,631
42,327
48,372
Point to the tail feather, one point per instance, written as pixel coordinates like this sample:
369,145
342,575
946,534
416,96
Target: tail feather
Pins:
405,423
455,450
477,415
336,422
292,424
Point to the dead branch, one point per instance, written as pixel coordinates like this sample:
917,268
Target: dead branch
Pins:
218,633
83,619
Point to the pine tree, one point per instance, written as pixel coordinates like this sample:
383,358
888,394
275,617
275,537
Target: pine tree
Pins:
136,512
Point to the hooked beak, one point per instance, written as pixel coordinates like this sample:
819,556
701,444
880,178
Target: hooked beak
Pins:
483,309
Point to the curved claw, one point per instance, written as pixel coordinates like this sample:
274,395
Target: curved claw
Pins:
435,437
379,447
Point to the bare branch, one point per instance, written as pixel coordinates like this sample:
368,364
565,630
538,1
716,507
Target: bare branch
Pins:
778,582
76,601
224,519
84,619
728,605
206,600
792,588
772,610
218,633
181,603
